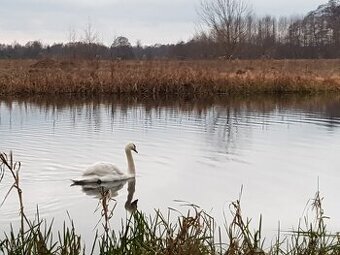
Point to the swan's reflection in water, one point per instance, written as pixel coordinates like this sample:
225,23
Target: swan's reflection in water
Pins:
106,193
130,205
109,190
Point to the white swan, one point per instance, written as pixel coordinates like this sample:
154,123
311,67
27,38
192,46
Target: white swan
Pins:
107,172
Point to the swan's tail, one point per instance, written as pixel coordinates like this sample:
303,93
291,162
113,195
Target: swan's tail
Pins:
85,181
100,180
76,182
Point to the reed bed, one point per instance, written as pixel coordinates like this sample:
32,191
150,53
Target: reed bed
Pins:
184,78
192,233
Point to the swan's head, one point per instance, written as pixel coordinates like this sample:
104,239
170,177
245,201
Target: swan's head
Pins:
131,147
131,206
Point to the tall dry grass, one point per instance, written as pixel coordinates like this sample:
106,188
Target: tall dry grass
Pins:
27,77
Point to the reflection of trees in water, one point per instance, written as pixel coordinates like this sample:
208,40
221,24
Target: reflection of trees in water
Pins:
225,124
330,114
219,115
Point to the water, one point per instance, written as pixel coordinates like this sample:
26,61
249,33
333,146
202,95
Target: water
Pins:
199,151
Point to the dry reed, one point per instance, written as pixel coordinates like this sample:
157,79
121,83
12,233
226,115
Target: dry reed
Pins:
28,77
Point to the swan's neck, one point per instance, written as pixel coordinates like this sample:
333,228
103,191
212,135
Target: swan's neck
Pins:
131,164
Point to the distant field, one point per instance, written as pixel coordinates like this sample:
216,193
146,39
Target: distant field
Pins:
47,76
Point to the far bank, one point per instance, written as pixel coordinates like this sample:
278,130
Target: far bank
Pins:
168,77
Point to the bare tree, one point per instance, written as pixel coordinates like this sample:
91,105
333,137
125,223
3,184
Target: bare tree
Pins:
72,35
91,40
227,22
334,21
90,35
72,41
282,29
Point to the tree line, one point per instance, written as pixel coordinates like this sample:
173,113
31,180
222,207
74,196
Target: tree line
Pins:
229,31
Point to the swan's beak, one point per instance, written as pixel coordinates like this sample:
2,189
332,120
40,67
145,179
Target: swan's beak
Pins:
135,150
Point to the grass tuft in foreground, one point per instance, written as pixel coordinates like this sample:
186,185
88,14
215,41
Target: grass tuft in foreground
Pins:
192,233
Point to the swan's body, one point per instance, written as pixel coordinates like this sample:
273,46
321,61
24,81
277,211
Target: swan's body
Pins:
107,172
104,171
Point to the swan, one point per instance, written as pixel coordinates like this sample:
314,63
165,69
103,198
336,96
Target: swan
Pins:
107,172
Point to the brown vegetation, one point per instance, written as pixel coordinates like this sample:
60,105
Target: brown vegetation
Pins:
28,77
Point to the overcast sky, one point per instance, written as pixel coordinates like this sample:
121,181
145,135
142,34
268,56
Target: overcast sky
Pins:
151,21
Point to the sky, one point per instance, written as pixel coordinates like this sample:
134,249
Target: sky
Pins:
150,21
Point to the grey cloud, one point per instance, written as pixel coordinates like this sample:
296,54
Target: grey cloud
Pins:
149,20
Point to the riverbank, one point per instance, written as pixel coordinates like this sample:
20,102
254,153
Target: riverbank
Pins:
184,78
